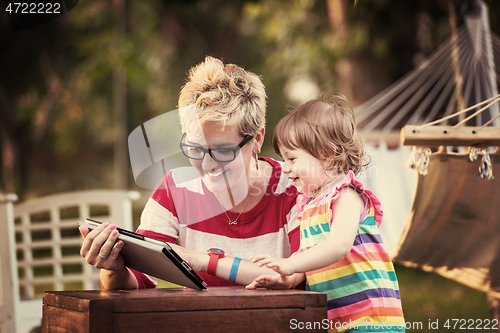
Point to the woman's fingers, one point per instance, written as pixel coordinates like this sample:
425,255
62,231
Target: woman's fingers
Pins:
103,242
100,247
116,250
84,230
109,243
89,238
113,260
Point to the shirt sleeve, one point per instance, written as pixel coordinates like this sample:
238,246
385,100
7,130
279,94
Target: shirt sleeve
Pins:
159,215
292,220
144,281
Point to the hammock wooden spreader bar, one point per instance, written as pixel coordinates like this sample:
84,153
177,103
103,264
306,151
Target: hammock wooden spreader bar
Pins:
457,135
435,136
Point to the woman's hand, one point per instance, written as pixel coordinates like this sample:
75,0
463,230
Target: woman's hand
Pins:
281,265
197,260
100,247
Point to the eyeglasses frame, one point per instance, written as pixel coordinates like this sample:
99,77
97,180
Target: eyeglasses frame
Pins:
235,150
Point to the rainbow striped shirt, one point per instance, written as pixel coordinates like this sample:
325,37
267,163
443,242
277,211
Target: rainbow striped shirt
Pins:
362,288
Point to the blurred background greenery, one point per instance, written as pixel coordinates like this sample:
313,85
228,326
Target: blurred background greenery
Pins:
63,93
71,90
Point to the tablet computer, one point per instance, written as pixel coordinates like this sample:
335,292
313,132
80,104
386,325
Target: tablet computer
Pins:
154,257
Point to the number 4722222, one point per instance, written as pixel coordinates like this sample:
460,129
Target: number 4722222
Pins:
33,8
478,324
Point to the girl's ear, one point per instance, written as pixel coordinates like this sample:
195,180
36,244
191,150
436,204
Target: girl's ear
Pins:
329,165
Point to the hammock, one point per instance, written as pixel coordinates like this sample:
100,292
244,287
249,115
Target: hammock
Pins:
464,71
453,228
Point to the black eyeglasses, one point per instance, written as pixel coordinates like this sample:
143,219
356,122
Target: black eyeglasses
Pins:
218,154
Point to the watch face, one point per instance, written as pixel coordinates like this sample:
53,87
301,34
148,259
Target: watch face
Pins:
215,250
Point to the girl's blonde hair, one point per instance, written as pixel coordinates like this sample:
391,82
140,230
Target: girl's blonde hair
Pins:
223,93
325,129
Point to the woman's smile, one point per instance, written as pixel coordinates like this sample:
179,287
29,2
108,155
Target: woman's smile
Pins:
215,174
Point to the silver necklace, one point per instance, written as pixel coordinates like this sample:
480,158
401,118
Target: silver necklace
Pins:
224,210
236,220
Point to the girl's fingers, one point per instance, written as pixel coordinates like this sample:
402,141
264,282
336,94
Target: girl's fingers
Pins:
262,279
269,262
275,268
263,261
259,282
265,282
253,285
258,257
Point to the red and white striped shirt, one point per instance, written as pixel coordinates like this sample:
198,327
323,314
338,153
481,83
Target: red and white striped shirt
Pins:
182,208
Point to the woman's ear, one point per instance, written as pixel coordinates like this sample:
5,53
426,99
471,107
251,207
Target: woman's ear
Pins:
259,139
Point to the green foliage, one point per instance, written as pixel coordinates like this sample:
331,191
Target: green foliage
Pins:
63,137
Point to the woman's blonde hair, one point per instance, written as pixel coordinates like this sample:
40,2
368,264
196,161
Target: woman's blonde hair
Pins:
325,129
223,93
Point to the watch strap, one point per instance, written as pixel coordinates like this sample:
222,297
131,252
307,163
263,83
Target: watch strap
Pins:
212,264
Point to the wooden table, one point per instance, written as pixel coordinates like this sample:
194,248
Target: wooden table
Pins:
217,309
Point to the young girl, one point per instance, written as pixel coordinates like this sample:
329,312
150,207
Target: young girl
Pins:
342,253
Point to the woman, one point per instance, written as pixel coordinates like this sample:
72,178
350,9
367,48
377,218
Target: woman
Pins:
237,205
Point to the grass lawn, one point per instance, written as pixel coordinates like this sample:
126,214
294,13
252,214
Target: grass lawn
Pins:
428,297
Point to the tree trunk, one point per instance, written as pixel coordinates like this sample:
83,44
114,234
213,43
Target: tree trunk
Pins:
120,153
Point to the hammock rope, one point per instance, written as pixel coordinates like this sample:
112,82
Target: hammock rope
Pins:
466,65
495,99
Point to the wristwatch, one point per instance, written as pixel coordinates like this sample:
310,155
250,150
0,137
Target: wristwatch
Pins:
215,254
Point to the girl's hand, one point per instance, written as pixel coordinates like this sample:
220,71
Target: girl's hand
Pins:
100,247
281,265
271,282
